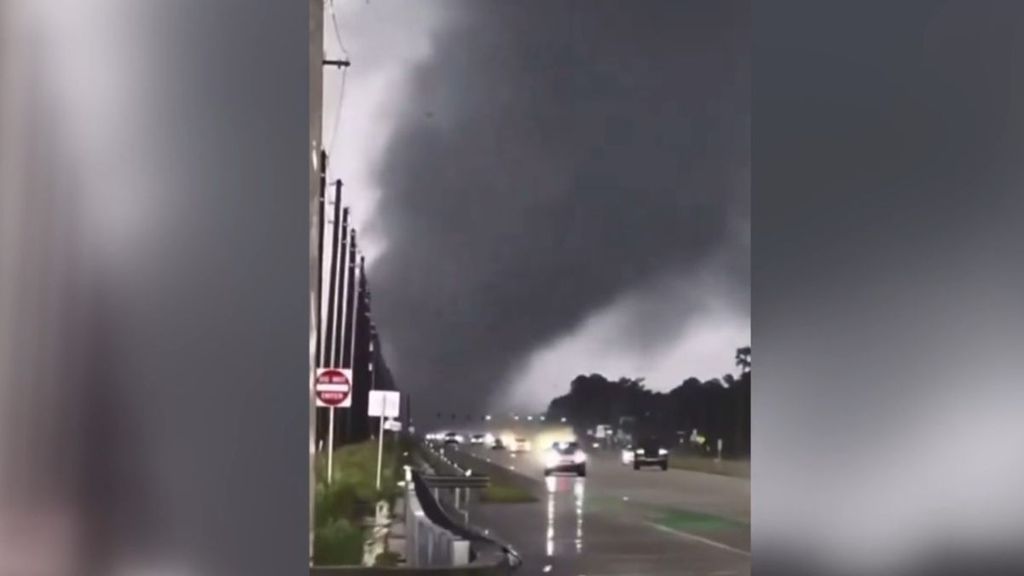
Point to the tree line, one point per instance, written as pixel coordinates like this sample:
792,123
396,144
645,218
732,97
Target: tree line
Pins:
718,408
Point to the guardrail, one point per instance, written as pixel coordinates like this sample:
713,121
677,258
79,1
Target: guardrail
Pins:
430,542
409,571
435,543
470,544
471,481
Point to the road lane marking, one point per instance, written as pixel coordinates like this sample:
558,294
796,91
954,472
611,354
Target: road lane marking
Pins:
700,539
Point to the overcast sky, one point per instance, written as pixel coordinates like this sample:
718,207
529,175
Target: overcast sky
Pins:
546,188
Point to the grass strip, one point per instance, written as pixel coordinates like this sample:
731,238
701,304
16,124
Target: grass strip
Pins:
505,494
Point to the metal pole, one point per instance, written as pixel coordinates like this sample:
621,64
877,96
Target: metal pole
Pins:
320,224
380,439
330,447
332,299
355,311
339,335
315,272
350,259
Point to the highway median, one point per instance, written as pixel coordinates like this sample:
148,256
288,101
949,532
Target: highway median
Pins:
709,465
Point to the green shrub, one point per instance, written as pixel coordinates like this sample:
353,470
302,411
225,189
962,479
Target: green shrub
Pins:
339,542
355,465
341,507
387,559
339,501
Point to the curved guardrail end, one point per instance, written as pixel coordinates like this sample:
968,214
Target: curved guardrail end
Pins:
514,559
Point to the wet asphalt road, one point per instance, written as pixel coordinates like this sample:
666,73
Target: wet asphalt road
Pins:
618,521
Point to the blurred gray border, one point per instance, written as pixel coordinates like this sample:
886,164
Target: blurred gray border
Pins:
886,287
154,286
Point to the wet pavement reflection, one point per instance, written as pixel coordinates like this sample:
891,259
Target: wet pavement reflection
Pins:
586,526
565,499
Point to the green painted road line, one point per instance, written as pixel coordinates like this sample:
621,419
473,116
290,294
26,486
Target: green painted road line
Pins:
689,521
675,519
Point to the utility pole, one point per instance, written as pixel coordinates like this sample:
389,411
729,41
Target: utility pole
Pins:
317,168
326,355
340,221
352,315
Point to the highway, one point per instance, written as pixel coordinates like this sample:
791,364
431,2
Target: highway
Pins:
619,521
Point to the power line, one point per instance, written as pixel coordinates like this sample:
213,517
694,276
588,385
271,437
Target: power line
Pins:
337,31
337,110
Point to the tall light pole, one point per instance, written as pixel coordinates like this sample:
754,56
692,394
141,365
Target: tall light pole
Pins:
317,169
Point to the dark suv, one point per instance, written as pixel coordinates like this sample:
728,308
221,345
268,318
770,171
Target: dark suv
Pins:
650,452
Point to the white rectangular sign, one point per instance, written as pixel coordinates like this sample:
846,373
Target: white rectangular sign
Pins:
384,403
393,425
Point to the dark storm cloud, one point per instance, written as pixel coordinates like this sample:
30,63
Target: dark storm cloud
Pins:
551,157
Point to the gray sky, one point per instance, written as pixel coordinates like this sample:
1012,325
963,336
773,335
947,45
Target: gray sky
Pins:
547,188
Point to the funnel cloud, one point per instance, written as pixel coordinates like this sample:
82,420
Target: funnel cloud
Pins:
547,167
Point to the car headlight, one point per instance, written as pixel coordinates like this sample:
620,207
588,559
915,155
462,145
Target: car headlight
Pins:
662,452
579,458
550,460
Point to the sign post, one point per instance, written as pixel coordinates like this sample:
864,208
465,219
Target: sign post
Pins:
333,389
384,404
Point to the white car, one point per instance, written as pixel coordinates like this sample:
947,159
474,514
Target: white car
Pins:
565,457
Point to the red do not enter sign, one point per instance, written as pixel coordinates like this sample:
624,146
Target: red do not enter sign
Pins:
332,387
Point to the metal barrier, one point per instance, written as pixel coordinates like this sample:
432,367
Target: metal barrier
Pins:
468,570
436,544
428,544
471,481
434,539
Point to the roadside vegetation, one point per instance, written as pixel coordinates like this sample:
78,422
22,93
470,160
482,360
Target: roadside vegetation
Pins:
342,508
694,415
499,493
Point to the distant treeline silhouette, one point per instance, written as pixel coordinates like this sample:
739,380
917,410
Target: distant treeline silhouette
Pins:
717,409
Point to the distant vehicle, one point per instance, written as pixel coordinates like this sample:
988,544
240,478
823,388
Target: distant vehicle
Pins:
453,438
497,444
476,439
650,452
521,445
626,432
565,457
627,455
